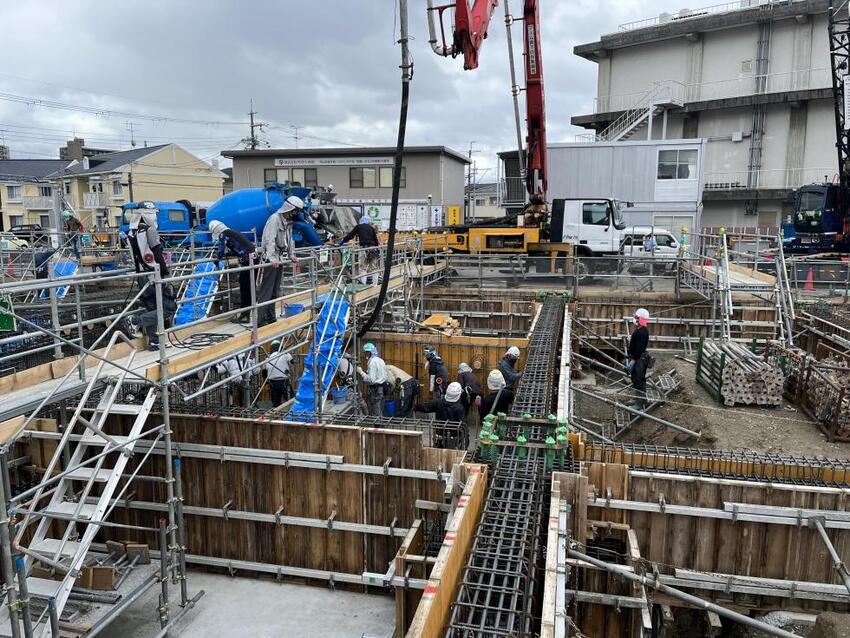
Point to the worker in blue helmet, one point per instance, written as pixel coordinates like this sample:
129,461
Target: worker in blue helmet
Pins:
367,238
375,377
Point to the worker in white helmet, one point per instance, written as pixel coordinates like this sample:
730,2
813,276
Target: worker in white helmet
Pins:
278,375
375,377
507,366
499,398
448,408
639,359
278,248
233,244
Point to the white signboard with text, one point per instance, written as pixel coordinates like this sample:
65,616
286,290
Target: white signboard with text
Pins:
299,162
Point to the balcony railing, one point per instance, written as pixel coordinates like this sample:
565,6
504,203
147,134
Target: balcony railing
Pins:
512,192
37,203
687,14
767,178
802,80
96,200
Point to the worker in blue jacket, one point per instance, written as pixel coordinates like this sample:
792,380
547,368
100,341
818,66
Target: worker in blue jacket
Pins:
232,243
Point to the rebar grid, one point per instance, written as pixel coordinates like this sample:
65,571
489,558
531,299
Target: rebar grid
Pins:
497,593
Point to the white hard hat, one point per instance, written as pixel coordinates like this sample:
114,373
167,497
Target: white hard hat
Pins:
513,351
453,392
217,228
642,313
495,380
293,202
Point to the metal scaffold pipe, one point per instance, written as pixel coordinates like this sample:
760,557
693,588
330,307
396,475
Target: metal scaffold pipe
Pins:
697,602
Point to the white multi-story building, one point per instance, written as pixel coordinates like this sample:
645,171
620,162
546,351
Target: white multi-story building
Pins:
752,78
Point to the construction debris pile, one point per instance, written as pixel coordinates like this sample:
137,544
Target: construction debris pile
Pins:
826,396
737,376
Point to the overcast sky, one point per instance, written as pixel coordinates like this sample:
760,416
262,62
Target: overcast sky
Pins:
328,67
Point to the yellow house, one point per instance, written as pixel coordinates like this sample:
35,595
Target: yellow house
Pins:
26,191
98,186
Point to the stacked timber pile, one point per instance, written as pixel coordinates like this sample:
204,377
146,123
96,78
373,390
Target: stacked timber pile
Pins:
737,376
444,323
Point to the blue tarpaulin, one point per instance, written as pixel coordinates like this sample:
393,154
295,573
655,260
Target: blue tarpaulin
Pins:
191,307
328,340
62,268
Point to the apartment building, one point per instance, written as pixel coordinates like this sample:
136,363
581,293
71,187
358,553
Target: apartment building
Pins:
752,78
26,191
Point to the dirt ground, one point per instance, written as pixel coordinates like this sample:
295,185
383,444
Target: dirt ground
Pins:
761,429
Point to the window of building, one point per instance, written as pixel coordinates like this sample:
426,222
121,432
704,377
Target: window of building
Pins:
362,177
16,220
96,187
117,188
297,177
386,177
44,221
119,220
493,201
674,223
14,193
594,213
480,201
269,175
678,164
67,188
45,191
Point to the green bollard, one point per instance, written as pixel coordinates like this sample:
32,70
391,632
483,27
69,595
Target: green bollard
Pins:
550,452
562,447
484,443
494,447
553,421
522,451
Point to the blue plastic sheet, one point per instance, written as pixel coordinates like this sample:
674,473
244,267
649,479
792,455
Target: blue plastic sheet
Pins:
191,308
332,319
62,268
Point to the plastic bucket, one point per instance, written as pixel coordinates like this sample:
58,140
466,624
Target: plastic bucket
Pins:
339,395
292,309
389,408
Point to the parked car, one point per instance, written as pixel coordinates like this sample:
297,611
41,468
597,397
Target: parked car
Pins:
666,248
31,233
8,241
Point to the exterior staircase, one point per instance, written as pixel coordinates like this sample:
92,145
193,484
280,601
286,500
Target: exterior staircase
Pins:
662,96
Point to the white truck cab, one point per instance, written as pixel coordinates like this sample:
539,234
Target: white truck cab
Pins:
594,225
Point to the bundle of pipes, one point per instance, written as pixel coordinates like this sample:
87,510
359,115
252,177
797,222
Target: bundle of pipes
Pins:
738,376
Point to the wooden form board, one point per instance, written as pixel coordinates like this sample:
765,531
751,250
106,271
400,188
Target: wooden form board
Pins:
407,352
301,492
406,599
434,609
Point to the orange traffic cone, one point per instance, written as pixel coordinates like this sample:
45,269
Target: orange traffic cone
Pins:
810,280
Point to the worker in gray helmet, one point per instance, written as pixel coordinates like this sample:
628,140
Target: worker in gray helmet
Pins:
278,248
507,366
375,377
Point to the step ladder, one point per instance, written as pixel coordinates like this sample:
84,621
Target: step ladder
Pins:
72,510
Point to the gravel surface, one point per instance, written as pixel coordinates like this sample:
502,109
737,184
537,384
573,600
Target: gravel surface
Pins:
762,429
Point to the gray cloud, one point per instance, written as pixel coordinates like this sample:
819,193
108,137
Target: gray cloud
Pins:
330,67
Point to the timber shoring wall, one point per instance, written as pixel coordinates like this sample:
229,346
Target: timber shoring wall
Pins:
303,492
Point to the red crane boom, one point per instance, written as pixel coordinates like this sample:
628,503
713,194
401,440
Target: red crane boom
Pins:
468,34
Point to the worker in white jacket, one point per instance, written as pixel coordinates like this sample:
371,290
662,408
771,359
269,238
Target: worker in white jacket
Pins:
278,247
236,370
375,378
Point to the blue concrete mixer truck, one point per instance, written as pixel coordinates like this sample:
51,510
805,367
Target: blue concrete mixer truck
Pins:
245,210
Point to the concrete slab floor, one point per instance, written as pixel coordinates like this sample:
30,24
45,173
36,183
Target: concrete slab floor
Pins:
261,608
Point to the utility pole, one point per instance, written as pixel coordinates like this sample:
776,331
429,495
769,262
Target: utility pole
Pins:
296,129
253,140
470,185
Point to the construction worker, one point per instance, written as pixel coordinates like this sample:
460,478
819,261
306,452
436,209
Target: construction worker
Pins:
639,359
232,243
404,389
278,375
447,408
499,399
236,370
507,367
146,248
367,237
437,373
375,378
278,247
73,227
472,392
